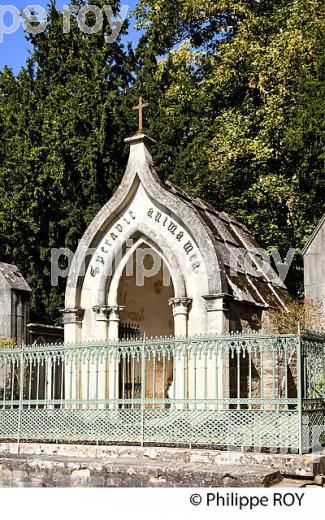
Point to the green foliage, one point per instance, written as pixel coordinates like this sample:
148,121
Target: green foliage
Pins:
236,105
319,390
239,109
62,150
308,314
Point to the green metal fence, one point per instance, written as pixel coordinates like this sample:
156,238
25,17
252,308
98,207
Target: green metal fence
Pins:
252,391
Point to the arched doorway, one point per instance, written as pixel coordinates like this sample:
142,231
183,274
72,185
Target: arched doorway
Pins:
144,291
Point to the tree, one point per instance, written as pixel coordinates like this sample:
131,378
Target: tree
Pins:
238,108
62,150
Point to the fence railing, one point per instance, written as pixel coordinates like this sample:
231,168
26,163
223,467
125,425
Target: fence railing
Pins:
251,391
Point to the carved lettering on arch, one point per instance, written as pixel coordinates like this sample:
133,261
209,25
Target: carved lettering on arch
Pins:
178,232
158,218
113,234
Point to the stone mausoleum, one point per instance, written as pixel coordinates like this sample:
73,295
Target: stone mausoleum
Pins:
14,304
15,295
155,261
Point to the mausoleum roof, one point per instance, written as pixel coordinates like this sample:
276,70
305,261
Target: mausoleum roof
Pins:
13,277
245,264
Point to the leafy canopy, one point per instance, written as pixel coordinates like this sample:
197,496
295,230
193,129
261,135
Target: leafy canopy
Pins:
236,92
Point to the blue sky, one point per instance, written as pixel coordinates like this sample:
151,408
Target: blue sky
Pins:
14,48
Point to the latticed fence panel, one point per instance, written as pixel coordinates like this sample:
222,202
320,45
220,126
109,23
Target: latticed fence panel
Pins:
180,427
264,429
72,425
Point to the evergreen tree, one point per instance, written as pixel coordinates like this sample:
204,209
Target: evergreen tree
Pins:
62,149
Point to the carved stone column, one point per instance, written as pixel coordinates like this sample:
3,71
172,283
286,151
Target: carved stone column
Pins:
180,308
101,312
114,321
112,316
218,312
101,316
72,334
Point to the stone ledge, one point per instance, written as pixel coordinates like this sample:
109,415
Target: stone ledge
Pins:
36,471
287,464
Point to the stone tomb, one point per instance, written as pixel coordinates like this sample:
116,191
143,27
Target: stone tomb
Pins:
14,304
155,261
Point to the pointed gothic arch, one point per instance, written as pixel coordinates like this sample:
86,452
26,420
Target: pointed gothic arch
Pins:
108,287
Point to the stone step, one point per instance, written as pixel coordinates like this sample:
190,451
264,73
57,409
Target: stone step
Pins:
293,465
290,483
56,471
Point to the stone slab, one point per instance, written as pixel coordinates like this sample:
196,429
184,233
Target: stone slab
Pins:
38,471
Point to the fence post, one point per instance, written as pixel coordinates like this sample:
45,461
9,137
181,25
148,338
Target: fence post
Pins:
299,388
143,386
21,395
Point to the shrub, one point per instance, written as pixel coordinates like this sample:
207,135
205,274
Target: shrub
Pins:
307,313
6,343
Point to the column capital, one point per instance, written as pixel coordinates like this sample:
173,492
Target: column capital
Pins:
107,312
75,315
180,305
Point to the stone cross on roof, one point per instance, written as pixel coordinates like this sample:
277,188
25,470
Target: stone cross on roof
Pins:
142,104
